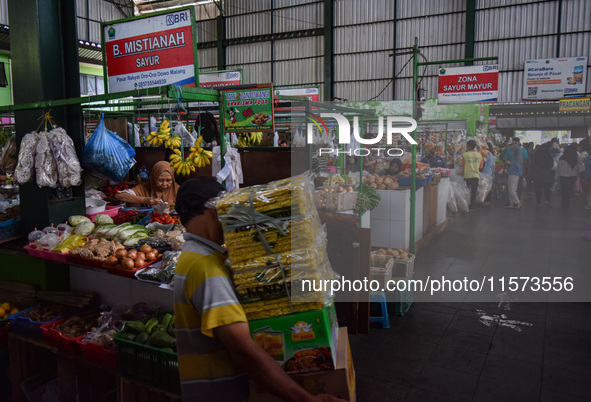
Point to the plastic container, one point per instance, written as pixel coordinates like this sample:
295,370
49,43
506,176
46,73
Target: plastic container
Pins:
148,365
129,273
47,254
27,327
98,354
403,268
10,228
406,181
110,211
55,338
402,299
49,241
335,201
51,229
34,237
95,206
381,274
64,231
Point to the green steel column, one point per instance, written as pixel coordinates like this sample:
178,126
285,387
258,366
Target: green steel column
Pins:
470,30
328,49
44,53
413,168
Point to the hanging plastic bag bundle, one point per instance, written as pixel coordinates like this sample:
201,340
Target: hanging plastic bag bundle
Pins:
107,155
25,168
45,165
68,165
9,155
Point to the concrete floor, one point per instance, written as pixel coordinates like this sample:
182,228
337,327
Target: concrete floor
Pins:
443,351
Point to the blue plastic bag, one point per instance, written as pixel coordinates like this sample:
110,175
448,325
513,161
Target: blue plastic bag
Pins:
107,155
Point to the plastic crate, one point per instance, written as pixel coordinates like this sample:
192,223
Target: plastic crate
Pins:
335,201
129,273
403,268
55,338
85,262
381,274
27,327
109,211
47,254
98,354
401,299
406,182
379,260
9,228
148,365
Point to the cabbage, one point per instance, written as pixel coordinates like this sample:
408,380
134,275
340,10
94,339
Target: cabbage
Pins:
102,219
75,220
84,228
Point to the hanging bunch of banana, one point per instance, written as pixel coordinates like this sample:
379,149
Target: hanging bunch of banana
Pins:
199,156
173,142
248,139
157,138
182,167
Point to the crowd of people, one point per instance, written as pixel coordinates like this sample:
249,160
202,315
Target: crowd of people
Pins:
550,167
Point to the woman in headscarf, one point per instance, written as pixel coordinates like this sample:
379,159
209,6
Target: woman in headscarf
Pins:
568,170
394,169
543,173
160,188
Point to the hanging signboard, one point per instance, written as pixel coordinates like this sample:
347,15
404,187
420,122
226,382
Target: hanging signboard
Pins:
306,93
468,84
151,51
248,109
209,79
575,105
554,78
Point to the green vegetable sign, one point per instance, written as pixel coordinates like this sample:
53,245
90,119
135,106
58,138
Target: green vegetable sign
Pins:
248,109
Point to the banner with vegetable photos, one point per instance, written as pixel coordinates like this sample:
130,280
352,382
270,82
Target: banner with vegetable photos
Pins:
248,109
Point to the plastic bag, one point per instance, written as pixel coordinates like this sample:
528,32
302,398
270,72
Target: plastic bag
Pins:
187,138
25,167
107,155
460,196
9,155
207,127
484,187
68,165
45,165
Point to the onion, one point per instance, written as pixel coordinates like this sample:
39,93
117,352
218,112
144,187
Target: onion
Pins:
112,260
132,254
127,263
150,256
139,262
145,248
120,253
141,255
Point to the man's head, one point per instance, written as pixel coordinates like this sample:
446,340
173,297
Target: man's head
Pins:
516,141
193,195
471,145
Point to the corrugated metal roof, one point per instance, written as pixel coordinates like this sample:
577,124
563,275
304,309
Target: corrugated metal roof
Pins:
436,30
363,11
364,66
576,15
90,55
361,38
252,53
303,17
207,58
308,71
420,8
254,73
298,48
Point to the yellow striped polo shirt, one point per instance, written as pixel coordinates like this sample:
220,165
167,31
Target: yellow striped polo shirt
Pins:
204,298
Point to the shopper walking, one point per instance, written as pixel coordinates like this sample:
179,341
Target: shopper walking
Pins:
472,162
543,175
514,156
487,169
568,170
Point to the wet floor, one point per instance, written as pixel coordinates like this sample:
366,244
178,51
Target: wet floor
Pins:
499,349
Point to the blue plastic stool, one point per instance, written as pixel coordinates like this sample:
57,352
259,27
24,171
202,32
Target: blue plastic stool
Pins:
384,319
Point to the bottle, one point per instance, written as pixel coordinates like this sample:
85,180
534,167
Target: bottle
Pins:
144,175
50,229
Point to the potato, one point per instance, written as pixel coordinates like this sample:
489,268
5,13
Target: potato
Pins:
381,187
387,181
404,256
393,186
389,252
381,251
395,253
373,185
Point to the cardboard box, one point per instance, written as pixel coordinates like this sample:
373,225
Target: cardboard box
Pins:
301,342
339,382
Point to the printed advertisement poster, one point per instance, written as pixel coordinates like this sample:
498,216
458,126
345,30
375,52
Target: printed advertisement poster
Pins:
210,79
150,51
468,84
306,93
554,78
248,109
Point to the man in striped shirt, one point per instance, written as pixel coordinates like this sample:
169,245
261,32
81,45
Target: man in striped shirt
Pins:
216,352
